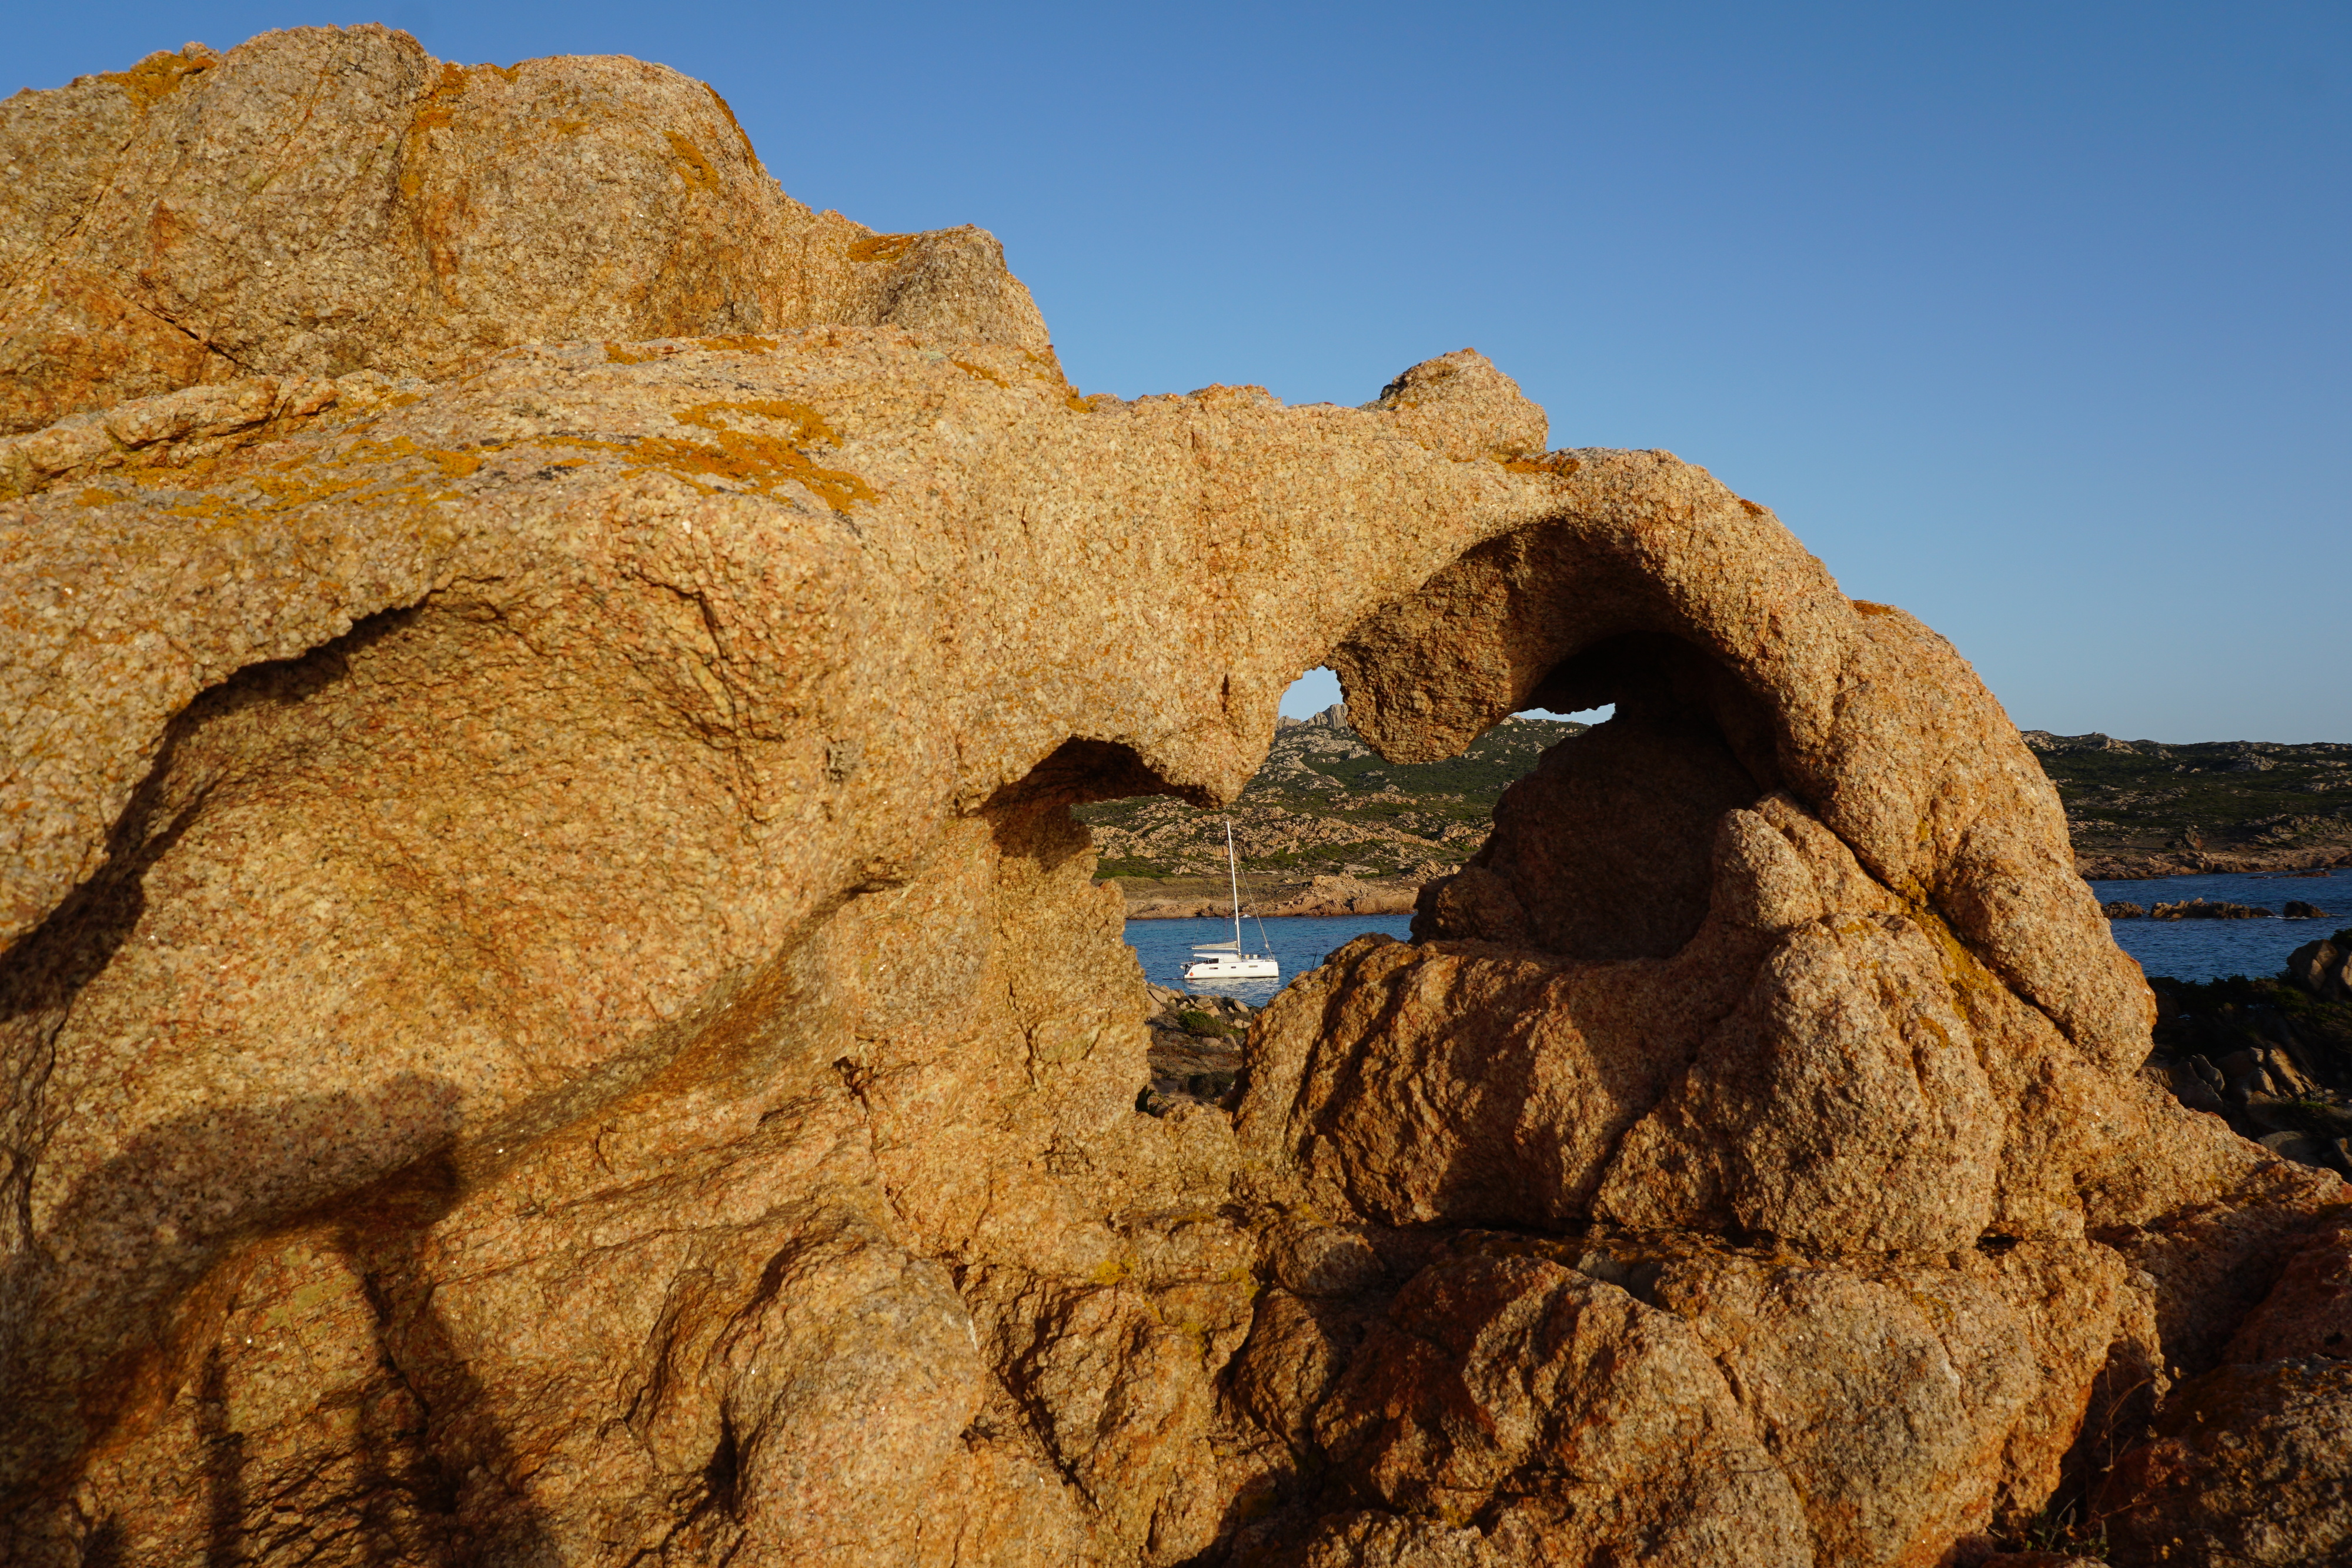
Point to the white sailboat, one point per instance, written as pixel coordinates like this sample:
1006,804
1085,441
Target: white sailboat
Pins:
1225,960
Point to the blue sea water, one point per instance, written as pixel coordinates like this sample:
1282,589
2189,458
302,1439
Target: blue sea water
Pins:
2209,949
1300,941
2184,949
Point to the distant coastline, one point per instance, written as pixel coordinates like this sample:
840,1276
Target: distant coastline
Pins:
1329,828
1321,897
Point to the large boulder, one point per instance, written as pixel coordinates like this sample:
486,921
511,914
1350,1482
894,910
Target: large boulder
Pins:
327,200
2246,1465
514,1047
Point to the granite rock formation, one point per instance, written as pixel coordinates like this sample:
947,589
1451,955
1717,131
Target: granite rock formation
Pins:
324,201
514,1052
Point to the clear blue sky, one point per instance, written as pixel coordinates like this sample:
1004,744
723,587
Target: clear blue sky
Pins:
2029,318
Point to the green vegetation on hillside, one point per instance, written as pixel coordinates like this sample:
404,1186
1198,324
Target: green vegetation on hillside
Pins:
1324,802
2240,804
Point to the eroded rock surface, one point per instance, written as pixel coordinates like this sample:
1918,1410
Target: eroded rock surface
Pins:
329,200
555,1009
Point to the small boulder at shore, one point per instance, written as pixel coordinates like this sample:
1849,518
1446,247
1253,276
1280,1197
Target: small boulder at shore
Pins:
2296,909
2324,969
2120,909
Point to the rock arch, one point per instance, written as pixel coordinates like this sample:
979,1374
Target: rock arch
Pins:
696,832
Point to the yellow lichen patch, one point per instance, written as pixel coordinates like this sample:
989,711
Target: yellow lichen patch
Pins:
748,457
740,343
570,127
285,492
727,111
436,111
809,426
982,371
761,462
1868,608
618,355
359,470
1560,467
157,78
882,247
1050,372
289,490
1963,970
696,167
94,497
389,471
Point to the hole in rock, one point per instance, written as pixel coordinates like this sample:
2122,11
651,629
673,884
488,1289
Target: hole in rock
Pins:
1310,693
1080,770
1315,691
1606,849
1030,817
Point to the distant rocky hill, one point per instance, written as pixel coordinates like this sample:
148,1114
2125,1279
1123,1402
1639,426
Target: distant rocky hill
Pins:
1327,827
2139,808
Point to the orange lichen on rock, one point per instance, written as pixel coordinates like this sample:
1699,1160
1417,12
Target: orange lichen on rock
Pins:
159,76
882,247
982,371
695,166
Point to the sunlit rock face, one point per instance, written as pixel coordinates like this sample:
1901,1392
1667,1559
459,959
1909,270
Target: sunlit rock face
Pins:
327,200
555,1010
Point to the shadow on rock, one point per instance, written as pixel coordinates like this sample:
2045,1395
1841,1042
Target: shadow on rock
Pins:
138,1300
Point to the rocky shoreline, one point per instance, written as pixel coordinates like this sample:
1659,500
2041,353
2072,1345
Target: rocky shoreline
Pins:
1324,803
2140,809
2211,909
2272,1058
1324,896
2197,863
1196,1054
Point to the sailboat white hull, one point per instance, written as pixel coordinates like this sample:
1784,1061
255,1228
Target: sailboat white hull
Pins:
1251,968
1225,960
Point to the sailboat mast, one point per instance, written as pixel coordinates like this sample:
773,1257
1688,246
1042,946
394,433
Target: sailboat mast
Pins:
1233,870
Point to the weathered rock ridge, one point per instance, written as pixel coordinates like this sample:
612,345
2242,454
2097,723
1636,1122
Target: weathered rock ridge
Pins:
517,1052
326,200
